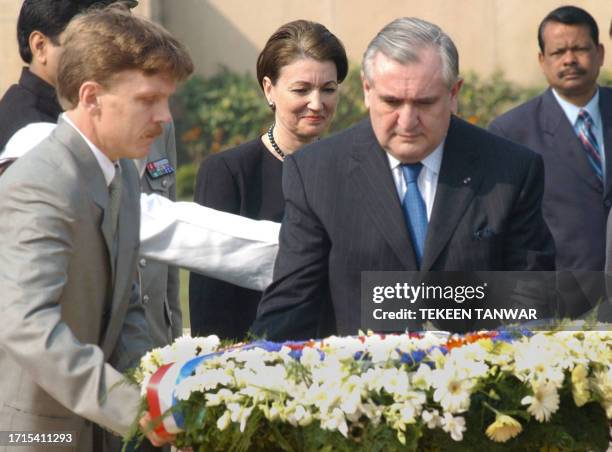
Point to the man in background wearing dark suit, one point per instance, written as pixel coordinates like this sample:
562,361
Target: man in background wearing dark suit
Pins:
570,126
40,28
412,187
605,313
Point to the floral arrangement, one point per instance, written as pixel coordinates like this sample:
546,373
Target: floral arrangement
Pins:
500,390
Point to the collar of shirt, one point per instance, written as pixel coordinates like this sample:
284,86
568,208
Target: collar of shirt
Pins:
571,110
106,165
428,179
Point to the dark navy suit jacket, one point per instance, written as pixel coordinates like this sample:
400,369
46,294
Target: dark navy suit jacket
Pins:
576,203
343,216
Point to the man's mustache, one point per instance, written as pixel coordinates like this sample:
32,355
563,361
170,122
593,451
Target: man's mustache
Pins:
572,70
154,132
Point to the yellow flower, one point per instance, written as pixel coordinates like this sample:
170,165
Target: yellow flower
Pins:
580,385
503,429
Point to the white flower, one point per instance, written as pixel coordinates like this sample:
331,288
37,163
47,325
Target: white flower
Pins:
343,347
431,418
544,402
395,381
239,413
335,421
373,412
224,420
150,362
218,398
453,390
382,349
453,425
602,385
322,396
422,378
407,413
350,397
299,416
310,356
541,358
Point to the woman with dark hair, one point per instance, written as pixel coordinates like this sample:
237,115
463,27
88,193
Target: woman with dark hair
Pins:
299,71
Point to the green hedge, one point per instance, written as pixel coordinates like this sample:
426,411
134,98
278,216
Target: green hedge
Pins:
215,113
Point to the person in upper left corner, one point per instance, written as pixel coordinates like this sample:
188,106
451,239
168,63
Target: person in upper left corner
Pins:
40,29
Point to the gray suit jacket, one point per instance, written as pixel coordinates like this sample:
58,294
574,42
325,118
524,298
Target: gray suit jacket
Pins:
158,291
65,295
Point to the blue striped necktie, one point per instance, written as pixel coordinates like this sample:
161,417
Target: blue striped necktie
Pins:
414,209
589,142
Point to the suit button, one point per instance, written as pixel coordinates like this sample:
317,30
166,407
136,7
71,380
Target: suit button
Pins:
142,263
145,299
164,183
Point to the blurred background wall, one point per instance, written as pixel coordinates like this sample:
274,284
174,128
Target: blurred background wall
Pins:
490,34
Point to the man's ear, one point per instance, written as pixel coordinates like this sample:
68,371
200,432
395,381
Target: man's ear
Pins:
367,88
38,46
601,53
454,92
89,97
541,59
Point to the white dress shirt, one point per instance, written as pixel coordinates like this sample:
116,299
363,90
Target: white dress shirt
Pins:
106,165
428,178
592,107
185,234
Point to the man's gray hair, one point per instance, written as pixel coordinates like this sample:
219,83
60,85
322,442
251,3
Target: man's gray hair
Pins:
403,39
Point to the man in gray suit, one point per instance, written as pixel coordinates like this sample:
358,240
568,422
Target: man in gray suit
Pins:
68,207
27,102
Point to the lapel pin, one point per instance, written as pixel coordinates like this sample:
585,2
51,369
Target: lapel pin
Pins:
467,180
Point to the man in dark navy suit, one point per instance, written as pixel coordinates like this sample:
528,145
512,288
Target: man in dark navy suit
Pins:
570,126
412,187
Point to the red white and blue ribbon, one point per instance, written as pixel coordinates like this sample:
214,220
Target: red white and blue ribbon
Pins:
161,390
161,394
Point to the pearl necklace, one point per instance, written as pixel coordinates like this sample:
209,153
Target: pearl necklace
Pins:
273,143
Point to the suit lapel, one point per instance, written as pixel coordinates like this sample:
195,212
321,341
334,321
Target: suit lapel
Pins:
564,142
370,176
460,175
128,229
98,189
